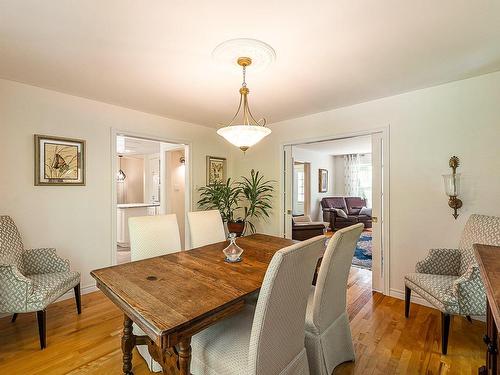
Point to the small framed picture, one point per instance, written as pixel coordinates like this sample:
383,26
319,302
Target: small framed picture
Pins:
59,161
216,170
323,180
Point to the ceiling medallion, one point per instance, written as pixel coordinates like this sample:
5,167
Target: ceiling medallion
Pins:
244,130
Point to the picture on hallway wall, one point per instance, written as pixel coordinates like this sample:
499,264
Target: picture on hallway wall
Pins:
323,180
59,161
216,170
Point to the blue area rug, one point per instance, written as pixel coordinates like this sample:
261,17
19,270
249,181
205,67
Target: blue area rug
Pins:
363,253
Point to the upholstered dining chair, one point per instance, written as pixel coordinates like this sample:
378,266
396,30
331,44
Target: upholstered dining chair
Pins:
30,280
267,338
205,228
152,236
328,336
449,279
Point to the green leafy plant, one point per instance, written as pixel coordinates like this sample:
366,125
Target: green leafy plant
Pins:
224,197
254,192
258,194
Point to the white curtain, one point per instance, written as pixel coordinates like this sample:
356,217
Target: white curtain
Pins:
351,175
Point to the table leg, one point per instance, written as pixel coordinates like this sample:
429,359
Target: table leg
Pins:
185,356
128,343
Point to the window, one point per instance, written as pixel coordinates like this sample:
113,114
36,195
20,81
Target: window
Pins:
300,186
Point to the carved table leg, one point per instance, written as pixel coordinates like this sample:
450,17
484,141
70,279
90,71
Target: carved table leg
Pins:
185,356
128,343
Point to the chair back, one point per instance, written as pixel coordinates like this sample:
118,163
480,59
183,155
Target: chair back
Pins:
11,245
278,327
205,228
152,236
329,301
479,229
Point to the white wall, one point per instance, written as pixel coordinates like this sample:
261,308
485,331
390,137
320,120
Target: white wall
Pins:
339,177
317,160
77,220
426,128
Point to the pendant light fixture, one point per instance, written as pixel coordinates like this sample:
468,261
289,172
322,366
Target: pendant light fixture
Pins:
244,130
120,176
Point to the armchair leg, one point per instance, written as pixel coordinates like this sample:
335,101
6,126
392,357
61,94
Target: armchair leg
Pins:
42,327
445,331
14,317
78,299
407,301
469,318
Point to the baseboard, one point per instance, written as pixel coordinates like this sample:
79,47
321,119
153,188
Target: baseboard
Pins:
420,301
399,294
68,294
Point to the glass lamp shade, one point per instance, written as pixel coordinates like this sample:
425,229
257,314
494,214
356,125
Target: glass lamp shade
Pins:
244,136
120,176
452,184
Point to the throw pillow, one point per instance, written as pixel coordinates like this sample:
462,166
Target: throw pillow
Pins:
340,213
366,211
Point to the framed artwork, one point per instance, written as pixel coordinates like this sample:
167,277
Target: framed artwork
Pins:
216,170
323,180
59,161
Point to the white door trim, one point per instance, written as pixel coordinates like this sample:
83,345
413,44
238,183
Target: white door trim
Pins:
385,131
188,189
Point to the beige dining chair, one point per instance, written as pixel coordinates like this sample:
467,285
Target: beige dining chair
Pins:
328,336
267,338
205,228
152,236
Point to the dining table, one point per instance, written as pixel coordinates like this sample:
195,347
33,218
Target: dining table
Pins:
174,296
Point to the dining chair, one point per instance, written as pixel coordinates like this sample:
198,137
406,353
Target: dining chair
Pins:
152,236
327,334
205,228
268,338
31,279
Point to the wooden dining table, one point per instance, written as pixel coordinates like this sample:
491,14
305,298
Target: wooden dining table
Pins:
174,296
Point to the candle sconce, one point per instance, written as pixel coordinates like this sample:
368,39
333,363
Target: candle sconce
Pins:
452,186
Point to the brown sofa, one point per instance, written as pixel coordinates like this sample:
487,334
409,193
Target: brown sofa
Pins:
354,208
304,228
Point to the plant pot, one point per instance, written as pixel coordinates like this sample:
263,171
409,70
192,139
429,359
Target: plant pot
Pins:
236,227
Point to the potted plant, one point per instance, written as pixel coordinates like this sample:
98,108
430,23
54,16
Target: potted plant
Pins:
224,197
257,193
254,192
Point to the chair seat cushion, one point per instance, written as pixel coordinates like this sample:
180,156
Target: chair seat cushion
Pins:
436,289
223,347
48,287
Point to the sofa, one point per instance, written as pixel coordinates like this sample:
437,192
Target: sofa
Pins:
304,228
342,212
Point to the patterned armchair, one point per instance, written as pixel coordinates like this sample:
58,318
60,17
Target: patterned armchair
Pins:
449,278
31,279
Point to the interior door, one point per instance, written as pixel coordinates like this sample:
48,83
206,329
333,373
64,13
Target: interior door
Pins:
287,191
377,213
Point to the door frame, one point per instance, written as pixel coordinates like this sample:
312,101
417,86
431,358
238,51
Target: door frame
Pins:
188,178
385,209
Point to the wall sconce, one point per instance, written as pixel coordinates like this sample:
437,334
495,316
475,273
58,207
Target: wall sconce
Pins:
452,186
182,160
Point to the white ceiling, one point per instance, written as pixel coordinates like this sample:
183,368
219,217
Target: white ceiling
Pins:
355,145
141,146
155,56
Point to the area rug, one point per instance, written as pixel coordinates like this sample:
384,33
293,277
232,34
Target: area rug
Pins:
363,253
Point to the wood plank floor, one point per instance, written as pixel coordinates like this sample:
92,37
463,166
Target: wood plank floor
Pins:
385,342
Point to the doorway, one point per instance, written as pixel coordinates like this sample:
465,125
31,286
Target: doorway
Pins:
149,177
349,183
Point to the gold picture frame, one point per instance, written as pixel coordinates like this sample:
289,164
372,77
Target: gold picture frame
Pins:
216,170
59,161
322,180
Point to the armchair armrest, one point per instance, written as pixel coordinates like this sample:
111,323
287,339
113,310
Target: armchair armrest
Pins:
440,262
44,260
14,289
469,290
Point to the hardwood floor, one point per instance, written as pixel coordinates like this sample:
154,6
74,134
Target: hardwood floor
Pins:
385,342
